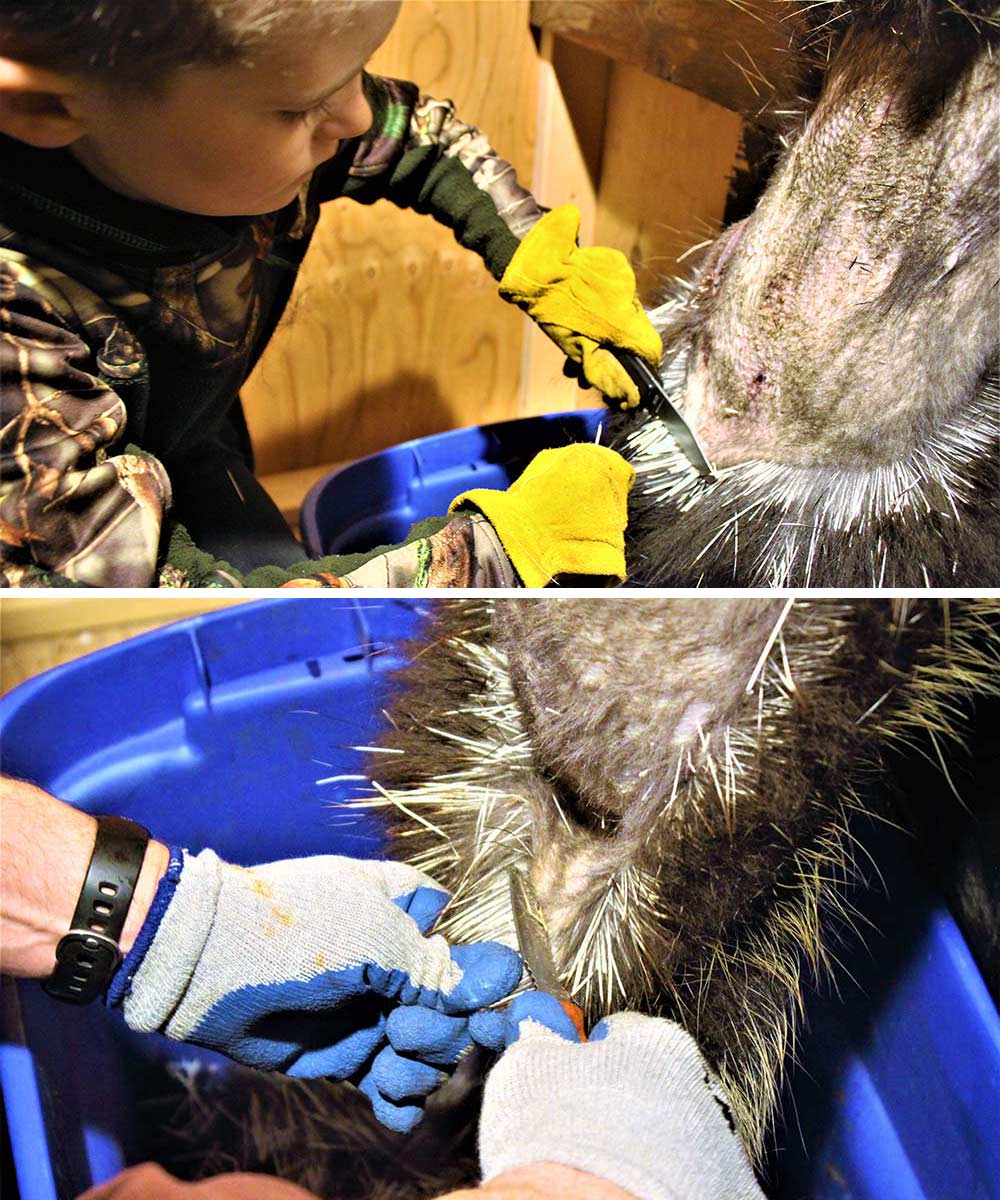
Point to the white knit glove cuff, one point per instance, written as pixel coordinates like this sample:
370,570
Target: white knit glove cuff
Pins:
639,1108
170,961
228,928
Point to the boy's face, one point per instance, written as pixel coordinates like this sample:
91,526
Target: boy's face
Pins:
235,140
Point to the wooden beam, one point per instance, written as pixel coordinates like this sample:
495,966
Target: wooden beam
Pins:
734,52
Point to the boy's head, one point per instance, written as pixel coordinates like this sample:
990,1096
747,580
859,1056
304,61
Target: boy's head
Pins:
218,107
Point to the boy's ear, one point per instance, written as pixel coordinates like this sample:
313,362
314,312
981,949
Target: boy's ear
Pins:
33,105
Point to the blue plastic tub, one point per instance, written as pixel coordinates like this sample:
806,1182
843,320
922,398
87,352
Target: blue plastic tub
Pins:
374,501
237,730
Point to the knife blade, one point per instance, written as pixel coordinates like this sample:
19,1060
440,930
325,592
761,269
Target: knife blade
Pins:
653,396
536,949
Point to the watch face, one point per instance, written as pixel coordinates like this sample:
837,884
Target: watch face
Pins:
85,963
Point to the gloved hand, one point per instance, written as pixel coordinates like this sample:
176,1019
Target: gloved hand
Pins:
295,966
636,1105
565,515
583,299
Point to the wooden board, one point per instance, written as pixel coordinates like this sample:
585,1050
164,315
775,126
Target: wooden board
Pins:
733,52
647,162
668,156
573,84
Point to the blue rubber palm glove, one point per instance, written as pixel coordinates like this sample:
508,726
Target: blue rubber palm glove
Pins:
296,966
498,1028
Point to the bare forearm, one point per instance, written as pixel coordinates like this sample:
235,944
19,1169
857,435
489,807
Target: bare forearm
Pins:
45,848
150,1182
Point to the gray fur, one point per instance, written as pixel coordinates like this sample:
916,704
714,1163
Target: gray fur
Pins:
678,778
837,351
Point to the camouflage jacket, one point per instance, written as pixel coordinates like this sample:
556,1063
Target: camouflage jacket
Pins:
126,329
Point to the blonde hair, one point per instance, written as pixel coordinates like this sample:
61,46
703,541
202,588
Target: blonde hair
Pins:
137,43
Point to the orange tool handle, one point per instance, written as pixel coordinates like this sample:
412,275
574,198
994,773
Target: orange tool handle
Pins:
575,1014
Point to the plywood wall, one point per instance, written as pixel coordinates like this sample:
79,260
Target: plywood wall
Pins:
394,330
668,154
37,633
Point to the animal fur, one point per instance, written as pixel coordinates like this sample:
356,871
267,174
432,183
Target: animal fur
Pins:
320,1134
679,779
693,841
837,351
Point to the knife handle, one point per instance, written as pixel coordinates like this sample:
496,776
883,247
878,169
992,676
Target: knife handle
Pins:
575,1014
636,369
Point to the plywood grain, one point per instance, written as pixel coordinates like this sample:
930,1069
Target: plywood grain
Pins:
668,156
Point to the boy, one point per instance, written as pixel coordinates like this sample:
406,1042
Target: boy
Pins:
163,170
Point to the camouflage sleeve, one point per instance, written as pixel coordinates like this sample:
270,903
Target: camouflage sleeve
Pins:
464,553
79,507
75,508
420,155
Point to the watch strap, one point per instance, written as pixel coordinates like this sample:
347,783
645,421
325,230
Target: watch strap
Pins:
88,955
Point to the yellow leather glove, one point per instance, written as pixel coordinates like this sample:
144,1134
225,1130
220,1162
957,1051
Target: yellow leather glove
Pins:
584,299
565,515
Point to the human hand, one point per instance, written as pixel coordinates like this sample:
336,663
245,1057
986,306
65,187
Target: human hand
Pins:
636,1104
564,515
584,299
296,966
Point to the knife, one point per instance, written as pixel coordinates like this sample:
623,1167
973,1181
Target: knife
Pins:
536,949
653,396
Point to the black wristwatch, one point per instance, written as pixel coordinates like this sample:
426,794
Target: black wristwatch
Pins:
88,956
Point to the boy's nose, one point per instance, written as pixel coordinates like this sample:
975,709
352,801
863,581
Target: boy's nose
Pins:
353,115
359,115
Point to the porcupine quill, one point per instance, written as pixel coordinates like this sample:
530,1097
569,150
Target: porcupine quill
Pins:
816,519
923,509
707,898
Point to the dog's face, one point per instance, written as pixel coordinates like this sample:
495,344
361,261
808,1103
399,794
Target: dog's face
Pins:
676,777
836,353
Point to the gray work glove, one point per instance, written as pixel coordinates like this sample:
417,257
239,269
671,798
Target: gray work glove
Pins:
298,966
636,1105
